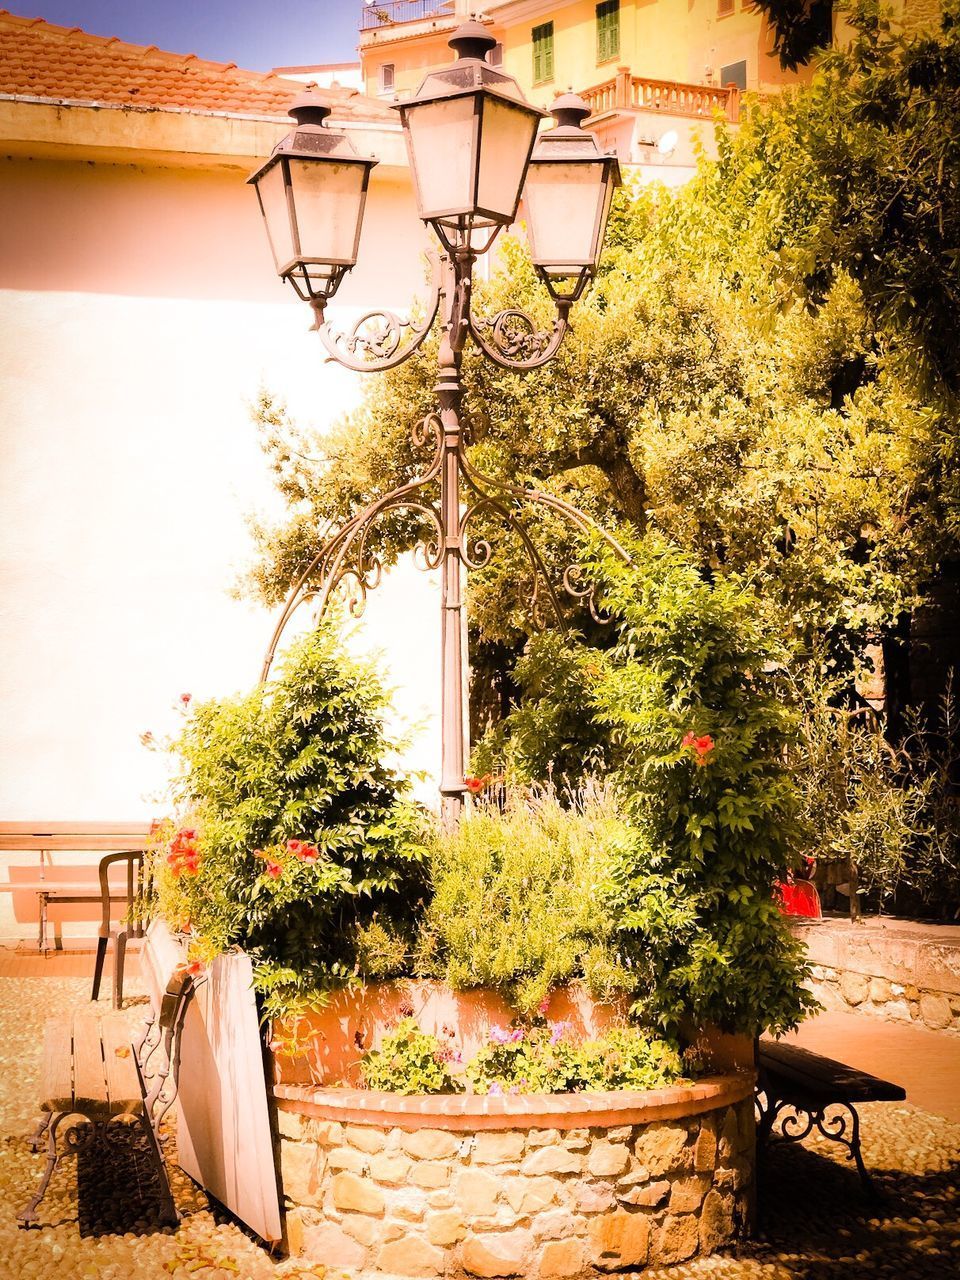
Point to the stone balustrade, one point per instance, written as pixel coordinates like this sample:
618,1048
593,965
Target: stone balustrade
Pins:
672,97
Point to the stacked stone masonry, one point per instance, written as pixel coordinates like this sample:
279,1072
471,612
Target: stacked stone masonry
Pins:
898,974
516,1202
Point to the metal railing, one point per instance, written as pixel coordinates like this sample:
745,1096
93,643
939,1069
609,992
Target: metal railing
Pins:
393,11
628,92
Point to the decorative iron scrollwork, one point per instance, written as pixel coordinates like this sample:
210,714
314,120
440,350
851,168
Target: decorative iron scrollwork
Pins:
348,566
513,339
382,339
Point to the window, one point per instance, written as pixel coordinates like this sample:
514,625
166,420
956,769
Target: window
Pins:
734,73
608,30
725,8
386,77
542,53
495,56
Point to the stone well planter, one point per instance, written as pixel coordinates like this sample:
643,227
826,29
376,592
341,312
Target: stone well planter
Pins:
557,1185
533,1185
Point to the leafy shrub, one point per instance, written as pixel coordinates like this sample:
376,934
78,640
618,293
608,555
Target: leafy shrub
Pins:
538,1058
699,728
688,704
520,897
292,836
543,1059
861,804
409,1061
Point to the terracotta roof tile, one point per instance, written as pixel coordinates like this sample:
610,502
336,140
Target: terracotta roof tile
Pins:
39,59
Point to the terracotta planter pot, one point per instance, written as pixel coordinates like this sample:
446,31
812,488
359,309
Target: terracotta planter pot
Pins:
334,1037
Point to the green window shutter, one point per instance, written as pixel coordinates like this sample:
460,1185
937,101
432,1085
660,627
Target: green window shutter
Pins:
608,30
543,52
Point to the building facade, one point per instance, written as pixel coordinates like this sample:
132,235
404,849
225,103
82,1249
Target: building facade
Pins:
140,318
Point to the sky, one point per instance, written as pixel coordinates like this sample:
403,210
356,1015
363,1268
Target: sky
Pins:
255,34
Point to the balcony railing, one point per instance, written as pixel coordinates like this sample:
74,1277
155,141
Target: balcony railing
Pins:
377,15
626,92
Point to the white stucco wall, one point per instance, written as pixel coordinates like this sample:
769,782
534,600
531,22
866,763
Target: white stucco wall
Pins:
139,316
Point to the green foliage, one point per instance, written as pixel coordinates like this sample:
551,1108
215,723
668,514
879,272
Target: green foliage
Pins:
800,28
889,813
409,1061
292,835
697,728
859,802
544,1059
700,729
538,1058
520,898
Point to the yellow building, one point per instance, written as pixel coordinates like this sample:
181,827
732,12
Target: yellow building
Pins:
641,64
552,45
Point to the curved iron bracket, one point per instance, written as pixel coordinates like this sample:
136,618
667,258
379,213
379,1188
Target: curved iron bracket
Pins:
378,340
514,340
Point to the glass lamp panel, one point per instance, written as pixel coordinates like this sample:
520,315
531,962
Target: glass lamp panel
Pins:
441,137
276,215
506,138
562,202
328,195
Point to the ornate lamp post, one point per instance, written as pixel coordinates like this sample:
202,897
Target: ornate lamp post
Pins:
472,142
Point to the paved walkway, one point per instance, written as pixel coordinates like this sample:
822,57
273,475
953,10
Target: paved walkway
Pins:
926,1063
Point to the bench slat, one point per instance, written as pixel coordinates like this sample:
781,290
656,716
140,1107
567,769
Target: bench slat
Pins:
123,1084
825,1078
89,1080
56,1077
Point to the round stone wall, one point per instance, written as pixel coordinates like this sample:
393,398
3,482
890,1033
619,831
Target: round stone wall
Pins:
565,1185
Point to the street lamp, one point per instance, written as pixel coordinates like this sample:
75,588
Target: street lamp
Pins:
311,192
472,143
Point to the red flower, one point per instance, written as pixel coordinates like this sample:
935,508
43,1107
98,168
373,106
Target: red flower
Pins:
476,785
274,869
189,970
186,698
295,846
308,853
701,746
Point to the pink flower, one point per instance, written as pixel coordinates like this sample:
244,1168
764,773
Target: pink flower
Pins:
274,869
543,1006
514,1090
495,1090
516,1035
499,1036
557,1031
294,845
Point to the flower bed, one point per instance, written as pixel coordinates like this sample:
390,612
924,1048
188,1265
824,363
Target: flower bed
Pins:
533,1185
500,1183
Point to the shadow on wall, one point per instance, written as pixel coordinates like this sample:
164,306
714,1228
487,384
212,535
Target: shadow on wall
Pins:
180,233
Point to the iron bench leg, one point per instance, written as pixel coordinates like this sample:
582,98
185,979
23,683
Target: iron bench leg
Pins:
28,1216
834,1129
34,1142
169,1213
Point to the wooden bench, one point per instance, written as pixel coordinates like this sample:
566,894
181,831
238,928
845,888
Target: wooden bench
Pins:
799,1082
121,842
96,1079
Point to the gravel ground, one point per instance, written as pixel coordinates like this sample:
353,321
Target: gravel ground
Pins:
99,1218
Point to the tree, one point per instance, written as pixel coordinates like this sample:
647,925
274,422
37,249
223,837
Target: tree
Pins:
763,371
